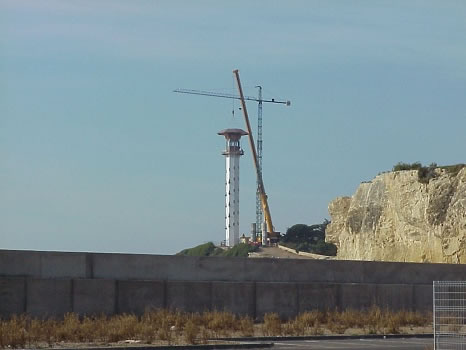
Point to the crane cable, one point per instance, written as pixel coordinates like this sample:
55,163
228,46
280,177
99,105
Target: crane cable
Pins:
232,100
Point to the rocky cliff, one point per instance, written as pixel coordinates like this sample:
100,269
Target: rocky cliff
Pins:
395,217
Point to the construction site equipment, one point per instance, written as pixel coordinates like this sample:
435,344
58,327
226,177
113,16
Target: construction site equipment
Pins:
260,101
269,234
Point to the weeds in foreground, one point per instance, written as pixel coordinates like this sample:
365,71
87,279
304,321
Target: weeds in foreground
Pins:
272,324
246,326
191,331
175,327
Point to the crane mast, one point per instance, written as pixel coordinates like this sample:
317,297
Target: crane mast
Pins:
259,215
261,189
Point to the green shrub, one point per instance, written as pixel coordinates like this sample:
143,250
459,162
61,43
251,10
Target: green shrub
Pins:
324,248
302,233
308,238
205,249
321,247
303,247
425,174
406,166
217,252
209,249
241,249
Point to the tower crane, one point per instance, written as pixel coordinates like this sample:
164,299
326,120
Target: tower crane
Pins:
258,151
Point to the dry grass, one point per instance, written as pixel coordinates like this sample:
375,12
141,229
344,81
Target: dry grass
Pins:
272,324
372,321
165,327
246,326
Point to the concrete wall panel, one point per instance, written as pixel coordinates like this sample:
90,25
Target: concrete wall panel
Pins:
48,297
357,296
145,267
189,296
394,296
12,296
281,298
423,297
300,270
219,269
139,296
410,273
236,297
317,296
61,265
94,296
20,263
337,271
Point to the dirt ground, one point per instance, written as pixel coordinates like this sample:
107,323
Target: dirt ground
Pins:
275,252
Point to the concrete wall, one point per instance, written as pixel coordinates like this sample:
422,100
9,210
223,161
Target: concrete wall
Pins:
55,297
182,268
51,284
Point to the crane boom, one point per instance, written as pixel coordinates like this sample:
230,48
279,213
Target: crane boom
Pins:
225,95
263,196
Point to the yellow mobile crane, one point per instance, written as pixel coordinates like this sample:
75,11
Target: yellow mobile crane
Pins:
272,235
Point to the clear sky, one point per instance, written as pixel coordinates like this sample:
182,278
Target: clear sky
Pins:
98,154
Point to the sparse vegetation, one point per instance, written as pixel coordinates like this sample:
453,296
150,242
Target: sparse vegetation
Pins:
424,174
206,249
453,170
163,327
241,249
427,173
272,324
209,249
400,166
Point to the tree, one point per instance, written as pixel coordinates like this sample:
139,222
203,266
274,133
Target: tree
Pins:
324,248
301,233
305,238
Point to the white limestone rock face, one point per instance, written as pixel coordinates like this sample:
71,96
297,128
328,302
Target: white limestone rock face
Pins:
396,218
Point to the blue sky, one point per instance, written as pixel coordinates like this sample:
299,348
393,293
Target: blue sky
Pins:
98,154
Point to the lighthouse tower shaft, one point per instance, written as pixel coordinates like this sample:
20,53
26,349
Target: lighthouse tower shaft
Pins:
232,200
232,154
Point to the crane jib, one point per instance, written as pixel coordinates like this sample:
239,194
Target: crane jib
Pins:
214,94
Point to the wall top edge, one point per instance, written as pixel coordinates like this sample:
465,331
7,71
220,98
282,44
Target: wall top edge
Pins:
234,259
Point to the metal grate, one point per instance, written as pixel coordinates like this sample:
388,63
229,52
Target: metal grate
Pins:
449,315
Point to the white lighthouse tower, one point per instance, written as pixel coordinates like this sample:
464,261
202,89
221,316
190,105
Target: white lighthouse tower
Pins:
232,153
